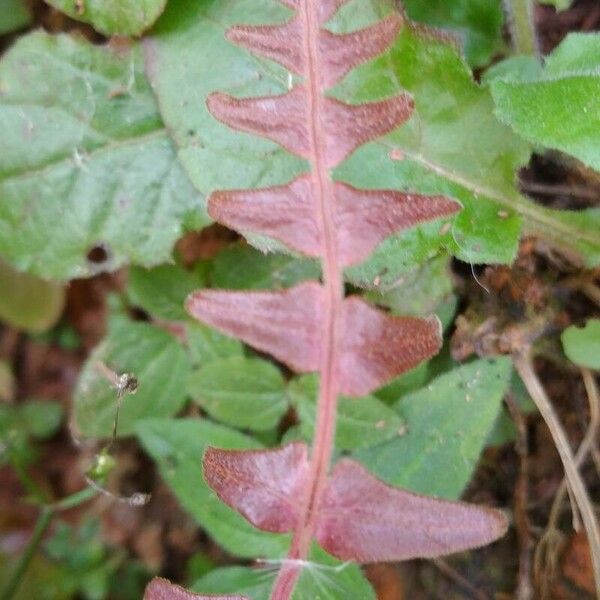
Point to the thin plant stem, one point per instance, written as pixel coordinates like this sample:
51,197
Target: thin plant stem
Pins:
585,446
522,28
47,513
17,576
524,367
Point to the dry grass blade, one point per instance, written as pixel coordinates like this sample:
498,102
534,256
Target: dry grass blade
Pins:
524,366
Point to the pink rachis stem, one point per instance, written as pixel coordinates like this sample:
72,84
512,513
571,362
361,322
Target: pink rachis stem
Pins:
333,283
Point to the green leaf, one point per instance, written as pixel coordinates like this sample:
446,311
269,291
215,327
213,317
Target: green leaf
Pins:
206,344
162,291
242,392
178,446
476,23
360,421
423,291
582,345
86,166
153,356
14,15
558,108
324,579
39,419
447,424
242,267
113,17
28,302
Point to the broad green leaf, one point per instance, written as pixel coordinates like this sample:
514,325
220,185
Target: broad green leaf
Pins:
206,344
447,424
324,579
558,108
405,383
423,291
14,15
476,23
248,393
360,421
113,17
89,179
178,446
28,302
150,354
504,430
582,344
242,267
254,583
162,291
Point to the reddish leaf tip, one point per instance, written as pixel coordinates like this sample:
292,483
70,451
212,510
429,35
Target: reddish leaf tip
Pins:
265,486
161,589
364,519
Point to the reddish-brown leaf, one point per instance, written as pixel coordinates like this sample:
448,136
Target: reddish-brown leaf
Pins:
363,217
366,217
284,212
279,118
341,53
363,519
281,43
349,126
377,346
286,324
266,486
161,589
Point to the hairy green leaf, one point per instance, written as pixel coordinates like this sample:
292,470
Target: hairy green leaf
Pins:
89,179
582,345
178,446
242,392
360,421
447,424
28,302
153,356
113,17
558,107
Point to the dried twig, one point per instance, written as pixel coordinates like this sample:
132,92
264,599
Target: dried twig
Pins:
524,366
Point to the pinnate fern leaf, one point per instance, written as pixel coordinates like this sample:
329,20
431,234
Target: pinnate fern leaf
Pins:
313,327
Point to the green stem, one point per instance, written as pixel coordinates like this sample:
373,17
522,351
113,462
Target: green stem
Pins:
44,520
33,489
522,27
40,527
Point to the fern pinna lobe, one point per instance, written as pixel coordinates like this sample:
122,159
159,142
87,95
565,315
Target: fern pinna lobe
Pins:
313,327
